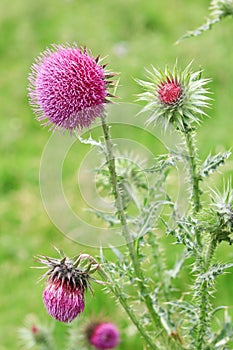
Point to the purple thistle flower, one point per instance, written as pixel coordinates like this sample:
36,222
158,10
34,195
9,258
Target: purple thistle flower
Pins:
67,282
103,335
68,87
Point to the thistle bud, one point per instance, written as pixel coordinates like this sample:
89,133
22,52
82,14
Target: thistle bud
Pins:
33,334
175,97
102,335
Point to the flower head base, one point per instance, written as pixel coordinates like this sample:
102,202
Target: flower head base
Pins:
67,282
102,335
176,97
68,87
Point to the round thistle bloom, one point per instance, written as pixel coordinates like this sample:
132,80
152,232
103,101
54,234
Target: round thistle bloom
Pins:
103,335
67,283
176,97
68,87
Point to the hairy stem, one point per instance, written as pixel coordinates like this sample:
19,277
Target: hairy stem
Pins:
125,229
195,178
207,255
204,306
116,291
210,252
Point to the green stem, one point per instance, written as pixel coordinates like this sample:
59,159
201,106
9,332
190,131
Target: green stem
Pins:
203,324
133,318
210,252
157,254
115,290
195,178
125,229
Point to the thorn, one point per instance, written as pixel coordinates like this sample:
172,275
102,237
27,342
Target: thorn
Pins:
63,260
110,75
111,95
97,59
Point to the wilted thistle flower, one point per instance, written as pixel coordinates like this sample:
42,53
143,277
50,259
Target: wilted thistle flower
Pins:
221,8
175,97
102,335
68,87
67,282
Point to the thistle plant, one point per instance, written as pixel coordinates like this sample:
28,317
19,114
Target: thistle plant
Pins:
69,88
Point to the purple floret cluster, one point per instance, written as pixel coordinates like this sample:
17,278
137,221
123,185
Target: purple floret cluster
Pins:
67,87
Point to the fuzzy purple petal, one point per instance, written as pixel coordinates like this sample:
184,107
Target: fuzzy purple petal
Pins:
67,88
62,302
105,336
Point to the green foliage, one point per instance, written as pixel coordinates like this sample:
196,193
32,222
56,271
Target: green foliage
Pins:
212,163
219,9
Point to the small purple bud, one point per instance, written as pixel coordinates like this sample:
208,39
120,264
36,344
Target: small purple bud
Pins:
104,335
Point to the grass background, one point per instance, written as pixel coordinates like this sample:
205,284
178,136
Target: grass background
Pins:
134,34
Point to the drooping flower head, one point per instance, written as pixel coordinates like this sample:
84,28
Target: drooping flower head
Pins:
176,97
67,282
102,335
68,87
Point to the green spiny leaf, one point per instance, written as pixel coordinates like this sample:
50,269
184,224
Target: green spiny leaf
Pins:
212,163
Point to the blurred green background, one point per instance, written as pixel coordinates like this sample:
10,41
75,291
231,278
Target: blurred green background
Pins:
134,34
